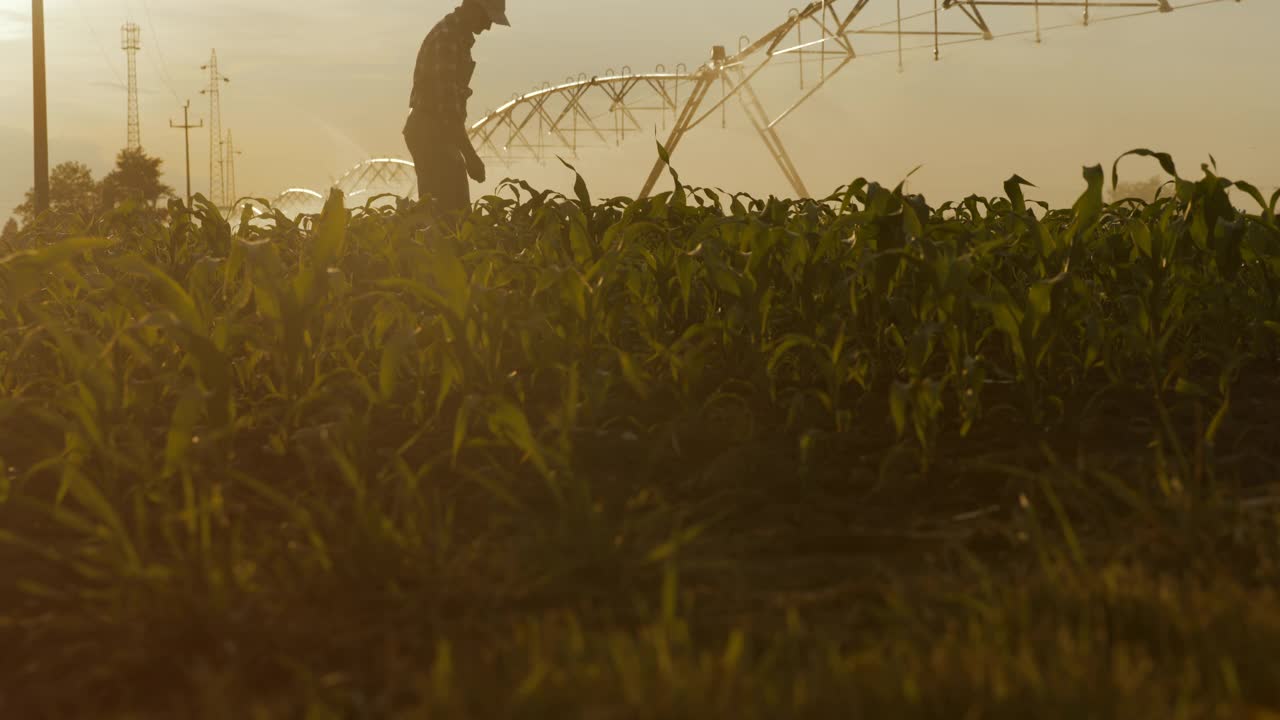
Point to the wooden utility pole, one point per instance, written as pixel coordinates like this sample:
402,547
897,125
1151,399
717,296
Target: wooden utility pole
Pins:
186,127
41,105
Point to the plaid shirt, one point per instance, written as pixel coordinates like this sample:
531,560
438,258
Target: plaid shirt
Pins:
442,77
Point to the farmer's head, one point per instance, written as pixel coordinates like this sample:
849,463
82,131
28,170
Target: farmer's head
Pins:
480,15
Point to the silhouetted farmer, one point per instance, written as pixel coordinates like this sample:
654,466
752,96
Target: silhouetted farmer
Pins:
436,132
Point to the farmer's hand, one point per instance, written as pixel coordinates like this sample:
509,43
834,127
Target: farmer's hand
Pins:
475,167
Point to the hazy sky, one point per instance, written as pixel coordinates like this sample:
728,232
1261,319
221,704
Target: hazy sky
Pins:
317,86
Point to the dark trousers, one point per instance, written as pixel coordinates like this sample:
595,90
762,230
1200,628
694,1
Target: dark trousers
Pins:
442,173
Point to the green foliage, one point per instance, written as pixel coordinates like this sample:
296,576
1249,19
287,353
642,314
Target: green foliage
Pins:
74,196
78,204
136,178
567,403
10,237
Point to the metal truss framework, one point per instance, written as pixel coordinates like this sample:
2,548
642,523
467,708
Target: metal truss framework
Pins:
293,202
365,180
378,176
819,42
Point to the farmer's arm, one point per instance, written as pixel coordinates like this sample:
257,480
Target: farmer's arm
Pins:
457,92
462,140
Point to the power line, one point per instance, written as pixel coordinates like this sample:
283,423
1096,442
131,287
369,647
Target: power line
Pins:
162,65
102,49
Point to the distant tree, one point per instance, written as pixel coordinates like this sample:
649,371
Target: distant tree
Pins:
9,235
136,177
1143,190
72,194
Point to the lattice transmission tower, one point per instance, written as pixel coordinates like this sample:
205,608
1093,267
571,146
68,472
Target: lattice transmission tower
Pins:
217,186
131,43
816,43
230,152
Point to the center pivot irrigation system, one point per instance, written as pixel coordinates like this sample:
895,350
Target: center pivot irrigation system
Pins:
365,181
814,45
816,42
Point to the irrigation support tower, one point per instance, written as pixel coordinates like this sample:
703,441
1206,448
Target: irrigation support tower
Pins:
131,43
818,41
217,190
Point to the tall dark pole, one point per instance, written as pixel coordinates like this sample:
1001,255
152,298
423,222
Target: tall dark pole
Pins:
40,101
186,128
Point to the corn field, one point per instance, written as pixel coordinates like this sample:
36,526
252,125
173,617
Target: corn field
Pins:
697,455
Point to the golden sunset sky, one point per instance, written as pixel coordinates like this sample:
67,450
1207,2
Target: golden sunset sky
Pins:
317,86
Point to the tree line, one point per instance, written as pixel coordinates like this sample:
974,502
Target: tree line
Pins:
76,198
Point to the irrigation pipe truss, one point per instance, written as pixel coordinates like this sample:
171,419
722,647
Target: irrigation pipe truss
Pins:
817,42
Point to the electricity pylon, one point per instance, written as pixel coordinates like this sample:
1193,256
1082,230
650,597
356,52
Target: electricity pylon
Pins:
131,43
230,155
217,191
